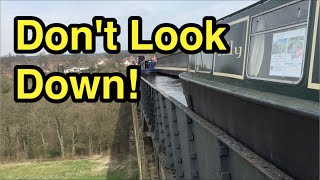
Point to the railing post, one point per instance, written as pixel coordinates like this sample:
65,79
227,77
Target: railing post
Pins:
157,118
192,150
224,164
188,151
174,131
166,133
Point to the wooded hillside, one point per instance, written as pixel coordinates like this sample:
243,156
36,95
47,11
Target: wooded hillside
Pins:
46,130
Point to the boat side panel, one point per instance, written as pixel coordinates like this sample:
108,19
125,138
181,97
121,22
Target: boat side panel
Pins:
289,141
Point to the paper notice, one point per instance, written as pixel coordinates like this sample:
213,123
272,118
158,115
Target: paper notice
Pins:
287,53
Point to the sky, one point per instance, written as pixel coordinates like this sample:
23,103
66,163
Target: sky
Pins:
153,13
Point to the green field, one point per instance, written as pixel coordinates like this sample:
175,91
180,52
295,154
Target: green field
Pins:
92,168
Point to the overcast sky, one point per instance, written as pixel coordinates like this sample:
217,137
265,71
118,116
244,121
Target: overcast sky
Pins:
152,13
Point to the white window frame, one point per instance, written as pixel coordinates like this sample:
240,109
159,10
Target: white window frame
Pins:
236,76
312,85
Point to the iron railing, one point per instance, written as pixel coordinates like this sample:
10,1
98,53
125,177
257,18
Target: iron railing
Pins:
189,147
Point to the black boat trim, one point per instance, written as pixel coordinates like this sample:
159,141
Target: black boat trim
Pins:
289,104
172,68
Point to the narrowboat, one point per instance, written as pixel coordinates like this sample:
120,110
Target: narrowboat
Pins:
146,66
173,64
265,92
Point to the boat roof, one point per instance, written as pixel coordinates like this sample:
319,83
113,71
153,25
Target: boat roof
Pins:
243,9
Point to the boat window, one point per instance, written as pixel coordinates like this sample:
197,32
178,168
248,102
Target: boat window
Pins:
287,15
204,62
277,54
191,64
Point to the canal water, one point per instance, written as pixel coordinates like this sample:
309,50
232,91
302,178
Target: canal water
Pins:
171,86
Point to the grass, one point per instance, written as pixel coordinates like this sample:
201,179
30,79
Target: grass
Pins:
93,168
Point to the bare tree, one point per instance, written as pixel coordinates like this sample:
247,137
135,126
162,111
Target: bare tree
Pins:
58,115
40,118
47,130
